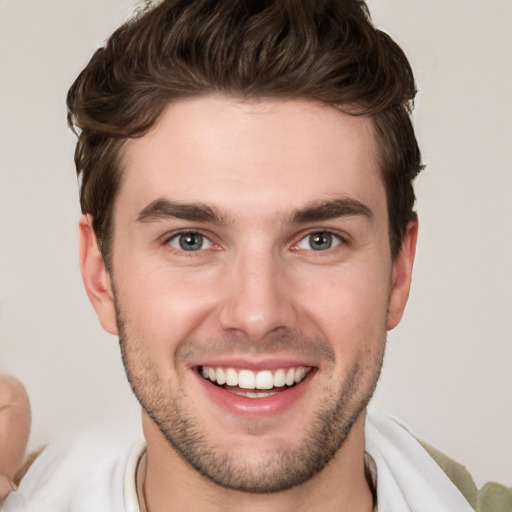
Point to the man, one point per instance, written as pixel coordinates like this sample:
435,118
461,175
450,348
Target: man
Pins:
246,182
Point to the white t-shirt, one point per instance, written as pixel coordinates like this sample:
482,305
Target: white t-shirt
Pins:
96,473
83,473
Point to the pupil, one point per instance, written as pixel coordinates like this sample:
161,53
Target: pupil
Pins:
321,241
191,241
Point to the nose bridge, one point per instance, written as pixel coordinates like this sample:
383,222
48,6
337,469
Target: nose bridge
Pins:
258,301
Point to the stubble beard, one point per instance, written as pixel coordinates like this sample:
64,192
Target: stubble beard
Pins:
275,471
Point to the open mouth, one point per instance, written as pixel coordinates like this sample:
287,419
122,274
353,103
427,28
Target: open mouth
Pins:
253,384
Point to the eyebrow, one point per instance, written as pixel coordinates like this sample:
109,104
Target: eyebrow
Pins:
325,210
162,209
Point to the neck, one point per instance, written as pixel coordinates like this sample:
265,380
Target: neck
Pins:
166,480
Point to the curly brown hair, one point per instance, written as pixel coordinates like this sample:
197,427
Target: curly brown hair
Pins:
324,50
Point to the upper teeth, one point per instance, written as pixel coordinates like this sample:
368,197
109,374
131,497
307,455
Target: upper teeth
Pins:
247,379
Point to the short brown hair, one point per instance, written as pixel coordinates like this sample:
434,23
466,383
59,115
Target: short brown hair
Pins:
325,50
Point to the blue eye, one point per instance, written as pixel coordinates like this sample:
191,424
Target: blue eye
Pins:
319,241
190,241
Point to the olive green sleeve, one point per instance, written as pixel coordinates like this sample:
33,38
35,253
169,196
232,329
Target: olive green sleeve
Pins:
494,497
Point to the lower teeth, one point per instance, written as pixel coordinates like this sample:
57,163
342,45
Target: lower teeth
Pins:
254,393
251,394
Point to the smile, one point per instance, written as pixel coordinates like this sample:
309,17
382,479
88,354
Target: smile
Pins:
269,381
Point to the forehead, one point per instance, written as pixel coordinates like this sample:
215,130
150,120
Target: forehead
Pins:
255,157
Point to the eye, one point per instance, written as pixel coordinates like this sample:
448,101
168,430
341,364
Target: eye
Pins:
319,241
189,241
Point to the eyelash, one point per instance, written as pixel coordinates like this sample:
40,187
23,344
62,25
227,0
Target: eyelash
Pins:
176,236
337,239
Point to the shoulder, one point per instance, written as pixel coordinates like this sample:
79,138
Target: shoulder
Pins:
412,469
81,473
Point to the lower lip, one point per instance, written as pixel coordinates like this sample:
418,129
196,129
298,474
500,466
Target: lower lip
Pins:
257,407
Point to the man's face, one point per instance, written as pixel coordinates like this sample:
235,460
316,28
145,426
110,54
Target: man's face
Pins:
253,284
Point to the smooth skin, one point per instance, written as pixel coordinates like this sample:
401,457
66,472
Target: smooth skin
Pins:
255,288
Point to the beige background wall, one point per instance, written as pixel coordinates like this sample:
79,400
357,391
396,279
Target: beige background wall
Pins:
448,368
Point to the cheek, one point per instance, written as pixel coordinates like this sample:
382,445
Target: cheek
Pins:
350,308
163,304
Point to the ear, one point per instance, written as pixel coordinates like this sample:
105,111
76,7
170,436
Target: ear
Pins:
401,276
95,276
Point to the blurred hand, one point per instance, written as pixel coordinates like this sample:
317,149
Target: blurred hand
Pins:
14,431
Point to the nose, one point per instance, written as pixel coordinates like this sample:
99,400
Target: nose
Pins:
258,297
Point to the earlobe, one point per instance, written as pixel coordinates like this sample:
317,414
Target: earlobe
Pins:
402,274
95,276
